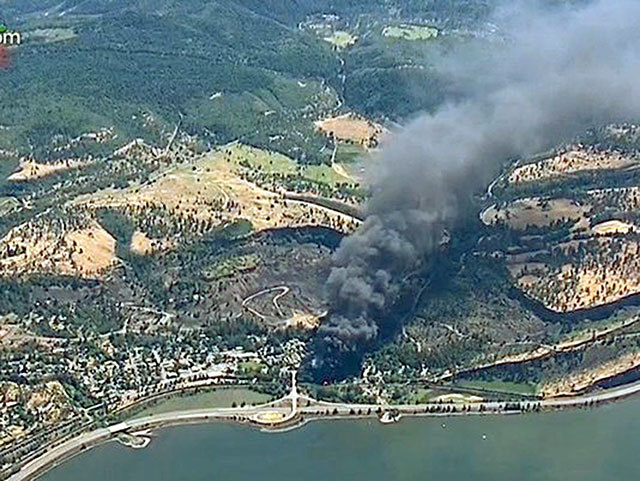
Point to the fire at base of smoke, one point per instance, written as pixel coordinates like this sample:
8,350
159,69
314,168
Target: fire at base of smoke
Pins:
561,71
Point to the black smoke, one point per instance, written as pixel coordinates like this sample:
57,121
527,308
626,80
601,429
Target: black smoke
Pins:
555,72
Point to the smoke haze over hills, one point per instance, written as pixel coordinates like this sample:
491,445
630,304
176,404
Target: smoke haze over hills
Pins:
557,72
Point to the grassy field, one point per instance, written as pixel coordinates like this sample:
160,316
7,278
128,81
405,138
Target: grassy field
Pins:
37,248
423,396
352,128
410,32
275,163
500,386
326,174
341,39
268,162
349,153
219,398
523,213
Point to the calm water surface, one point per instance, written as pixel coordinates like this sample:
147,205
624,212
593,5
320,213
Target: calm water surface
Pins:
592,445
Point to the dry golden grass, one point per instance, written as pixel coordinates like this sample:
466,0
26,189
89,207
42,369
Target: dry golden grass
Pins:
140,243
612,227
349,128
585,283
212,189
270,417
457,398
93,250
535,212
31,170
83,253
143,245
576,159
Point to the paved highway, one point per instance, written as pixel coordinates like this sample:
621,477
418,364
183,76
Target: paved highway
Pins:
78,444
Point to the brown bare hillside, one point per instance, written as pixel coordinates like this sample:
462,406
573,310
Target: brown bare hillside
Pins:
40,246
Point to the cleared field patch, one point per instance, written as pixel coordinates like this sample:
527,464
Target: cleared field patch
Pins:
341,39
141,244
270,417
93,250
353,129
573,160
613,227
12,336
457,398
31,170
36,247
215,398
535,212
411,32
499,386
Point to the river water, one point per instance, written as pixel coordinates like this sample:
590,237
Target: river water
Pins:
601,444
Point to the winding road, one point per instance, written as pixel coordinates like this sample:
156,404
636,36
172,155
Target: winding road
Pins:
284,291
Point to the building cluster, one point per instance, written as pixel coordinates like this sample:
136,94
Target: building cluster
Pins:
46,381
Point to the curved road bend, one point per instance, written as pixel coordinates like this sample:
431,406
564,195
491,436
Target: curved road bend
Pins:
74,446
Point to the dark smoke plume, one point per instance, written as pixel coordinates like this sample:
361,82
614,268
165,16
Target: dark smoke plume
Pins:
556,73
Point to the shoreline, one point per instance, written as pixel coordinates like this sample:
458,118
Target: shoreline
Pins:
243,416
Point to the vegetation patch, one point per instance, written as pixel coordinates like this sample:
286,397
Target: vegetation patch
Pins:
207,399
232,266
353,129
411,32
583,275
499,386
582,379
341,39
